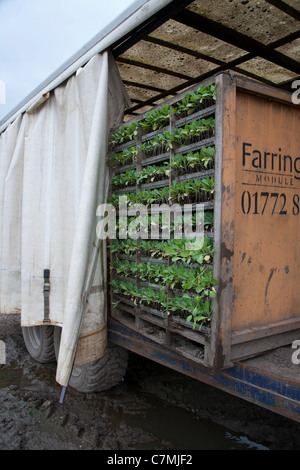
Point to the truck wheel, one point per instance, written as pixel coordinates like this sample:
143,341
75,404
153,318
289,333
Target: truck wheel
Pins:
99,375
39,341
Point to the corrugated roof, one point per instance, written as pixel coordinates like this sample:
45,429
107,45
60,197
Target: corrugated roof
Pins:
256,38
163,47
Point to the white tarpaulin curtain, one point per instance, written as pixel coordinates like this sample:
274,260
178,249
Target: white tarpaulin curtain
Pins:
52,179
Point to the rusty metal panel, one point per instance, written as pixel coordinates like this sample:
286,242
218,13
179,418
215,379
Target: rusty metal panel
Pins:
267,211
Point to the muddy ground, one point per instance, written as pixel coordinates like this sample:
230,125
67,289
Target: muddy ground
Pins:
153,408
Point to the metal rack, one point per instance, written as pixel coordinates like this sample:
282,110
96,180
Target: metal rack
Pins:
170,329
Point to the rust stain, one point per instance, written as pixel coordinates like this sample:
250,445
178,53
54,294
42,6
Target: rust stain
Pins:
226,252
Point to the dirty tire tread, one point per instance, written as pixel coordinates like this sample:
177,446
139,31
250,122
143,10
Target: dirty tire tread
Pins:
39,341
102,374
99,375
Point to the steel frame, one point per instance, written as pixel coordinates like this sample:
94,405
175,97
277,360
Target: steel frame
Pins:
262,388
177,12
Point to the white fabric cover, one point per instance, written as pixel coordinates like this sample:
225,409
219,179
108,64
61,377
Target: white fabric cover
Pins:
52,178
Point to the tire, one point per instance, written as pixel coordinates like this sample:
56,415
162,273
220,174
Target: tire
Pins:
39,341
99,375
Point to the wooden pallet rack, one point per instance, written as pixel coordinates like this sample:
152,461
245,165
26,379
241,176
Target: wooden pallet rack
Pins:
170,329
255,260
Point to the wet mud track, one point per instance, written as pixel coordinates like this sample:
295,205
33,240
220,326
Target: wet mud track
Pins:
152,409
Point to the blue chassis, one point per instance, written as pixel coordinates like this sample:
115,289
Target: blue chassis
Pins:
278,394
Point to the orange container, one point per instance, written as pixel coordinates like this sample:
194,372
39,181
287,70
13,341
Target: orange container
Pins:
257,215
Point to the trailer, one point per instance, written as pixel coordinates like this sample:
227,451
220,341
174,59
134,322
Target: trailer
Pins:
212,134
242,222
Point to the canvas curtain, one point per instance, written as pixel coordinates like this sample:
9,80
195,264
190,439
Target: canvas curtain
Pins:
52,179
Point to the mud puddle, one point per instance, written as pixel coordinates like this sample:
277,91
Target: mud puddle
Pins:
187,432
121,419
152,409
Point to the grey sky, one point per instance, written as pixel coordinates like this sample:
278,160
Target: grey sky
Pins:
38,36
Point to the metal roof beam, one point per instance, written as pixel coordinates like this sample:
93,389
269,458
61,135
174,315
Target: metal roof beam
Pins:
220,31
232,65
226,66
286,39
184,50
143,65
280,42
287,85
144,86
288,9
145,28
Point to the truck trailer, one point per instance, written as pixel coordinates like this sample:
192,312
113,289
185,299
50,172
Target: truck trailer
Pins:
150,202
